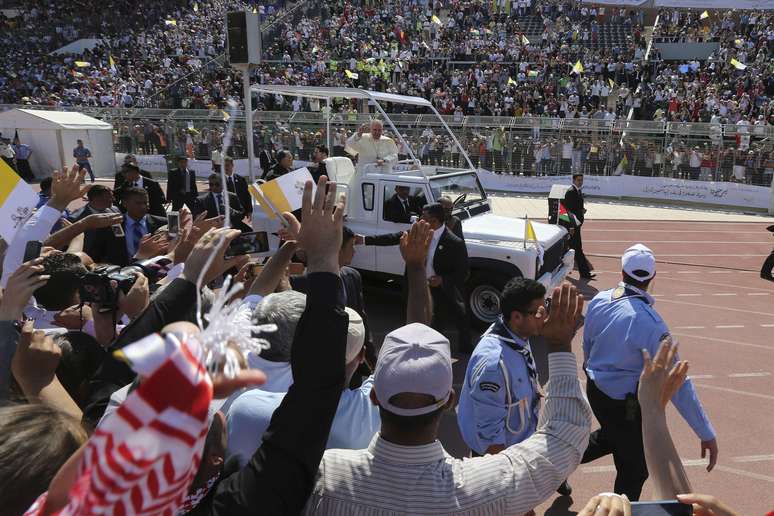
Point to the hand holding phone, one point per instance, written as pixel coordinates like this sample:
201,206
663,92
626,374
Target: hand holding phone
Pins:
173,224
32,250
248,243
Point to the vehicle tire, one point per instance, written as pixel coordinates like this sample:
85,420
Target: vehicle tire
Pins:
483,292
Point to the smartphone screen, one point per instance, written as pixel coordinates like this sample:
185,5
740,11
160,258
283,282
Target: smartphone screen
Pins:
661,508
248,243
32,250
173,223
118,230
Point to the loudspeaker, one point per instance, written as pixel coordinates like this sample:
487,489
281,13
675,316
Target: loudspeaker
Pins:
243,38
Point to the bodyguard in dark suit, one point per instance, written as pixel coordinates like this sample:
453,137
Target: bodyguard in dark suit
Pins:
237,184
108,248
213,203
100,200
447,270
133,179
452,222
317,168
120,176
573,201
399,208
181,187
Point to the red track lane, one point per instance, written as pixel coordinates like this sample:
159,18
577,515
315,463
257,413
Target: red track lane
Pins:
723,316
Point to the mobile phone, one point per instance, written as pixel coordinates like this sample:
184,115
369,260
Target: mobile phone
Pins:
248,243
661,508
118,230
32,250
173,223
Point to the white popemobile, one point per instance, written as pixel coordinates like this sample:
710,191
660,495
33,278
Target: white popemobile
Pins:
495,243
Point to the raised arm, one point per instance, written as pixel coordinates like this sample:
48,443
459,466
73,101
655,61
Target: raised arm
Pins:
63,237
413,247
280,475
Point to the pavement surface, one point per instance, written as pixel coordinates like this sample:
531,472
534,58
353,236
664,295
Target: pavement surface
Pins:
709,292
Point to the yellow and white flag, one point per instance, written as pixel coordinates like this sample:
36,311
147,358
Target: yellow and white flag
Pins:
170,22
436,20
529,231
736,64
511,82
351,75
82,64
195,7
611,83
704,15
524,40
283,193
17,202
577,67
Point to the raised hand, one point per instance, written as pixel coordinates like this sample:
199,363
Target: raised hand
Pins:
660,380
706,505
101,220
560,326
321,231
22,284
67,187
35,360
206,224
214,241
291,229
414,245
152,245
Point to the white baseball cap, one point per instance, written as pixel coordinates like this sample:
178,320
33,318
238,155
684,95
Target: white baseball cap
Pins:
413,359
355,334
639,258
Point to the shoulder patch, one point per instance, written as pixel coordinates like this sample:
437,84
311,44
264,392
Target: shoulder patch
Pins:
618,292
489,386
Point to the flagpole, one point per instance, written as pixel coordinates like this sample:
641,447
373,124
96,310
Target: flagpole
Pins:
524,240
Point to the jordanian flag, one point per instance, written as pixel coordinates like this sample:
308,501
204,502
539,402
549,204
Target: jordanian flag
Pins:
564,214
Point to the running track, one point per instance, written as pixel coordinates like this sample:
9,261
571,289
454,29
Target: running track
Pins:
709,292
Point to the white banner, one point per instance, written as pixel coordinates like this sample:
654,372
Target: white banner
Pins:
715,4
700,192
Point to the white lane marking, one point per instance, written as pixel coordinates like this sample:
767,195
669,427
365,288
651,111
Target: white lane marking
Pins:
753,458
701,376
689,327
767,325
688,272
727,326
687,295
724,308
758,293
705,283
725,294
735,391
748,375
724,341
743,473
720,272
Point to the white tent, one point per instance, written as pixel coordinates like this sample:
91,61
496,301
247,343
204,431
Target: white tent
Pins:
52,135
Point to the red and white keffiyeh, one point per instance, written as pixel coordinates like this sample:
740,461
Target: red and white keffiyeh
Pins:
144,458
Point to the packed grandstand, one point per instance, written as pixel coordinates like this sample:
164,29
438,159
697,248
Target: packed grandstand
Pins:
536,87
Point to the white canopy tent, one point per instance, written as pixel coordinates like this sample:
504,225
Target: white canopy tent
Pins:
52,135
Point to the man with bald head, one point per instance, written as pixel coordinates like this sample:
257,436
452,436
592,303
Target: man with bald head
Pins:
373,147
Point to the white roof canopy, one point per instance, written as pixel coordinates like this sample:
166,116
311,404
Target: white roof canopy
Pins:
40,119
320,92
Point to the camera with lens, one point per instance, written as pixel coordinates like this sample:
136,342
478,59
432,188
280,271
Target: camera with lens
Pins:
97,285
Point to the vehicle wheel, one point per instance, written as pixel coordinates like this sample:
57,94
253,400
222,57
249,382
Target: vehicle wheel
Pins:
484,291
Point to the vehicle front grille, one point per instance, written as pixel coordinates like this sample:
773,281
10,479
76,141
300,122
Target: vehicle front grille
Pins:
552,257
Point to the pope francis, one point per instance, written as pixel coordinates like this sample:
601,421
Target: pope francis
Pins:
372,147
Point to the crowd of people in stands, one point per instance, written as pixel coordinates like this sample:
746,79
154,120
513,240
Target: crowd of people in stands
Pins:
125,353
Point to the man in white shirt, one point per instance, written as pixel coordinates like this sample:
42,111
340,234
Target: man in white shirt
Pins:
372,147
405,469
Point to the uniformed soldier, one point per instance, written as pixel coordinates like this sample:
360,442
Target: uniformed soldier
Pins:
620,323
500,400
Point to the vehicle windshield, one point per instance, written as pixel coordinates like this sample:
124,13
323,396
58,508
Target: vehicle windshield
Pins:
457,185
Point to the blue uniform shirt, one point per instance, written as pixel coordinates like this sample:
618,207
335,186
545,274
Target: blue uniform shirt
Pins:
620,323
499,402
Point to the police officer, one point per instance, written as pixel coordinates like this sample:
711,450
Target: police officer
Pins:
500,400
620,323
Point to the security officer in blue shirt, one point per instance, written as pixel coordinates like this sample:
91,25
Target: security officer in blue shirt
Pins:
500,400
620,323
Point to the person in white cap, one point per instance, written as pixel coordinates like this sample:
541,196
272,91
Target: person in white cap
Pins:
405,469
620,323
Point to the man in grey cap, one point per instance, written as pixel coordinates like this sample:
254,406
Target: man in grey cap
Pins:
405,469
620,323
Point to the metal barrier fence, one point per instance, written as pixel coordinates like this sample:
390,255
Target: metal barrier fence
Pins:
521,146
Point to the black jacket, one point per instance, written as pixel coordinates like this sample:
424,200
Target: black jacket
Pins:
156,197
120,178
456,227
109,248
266,160
206,202
176,187
450,262
281,474
238,186
395,211
274,172
573,201
88,236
